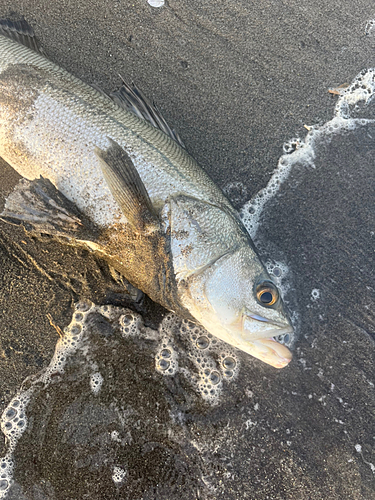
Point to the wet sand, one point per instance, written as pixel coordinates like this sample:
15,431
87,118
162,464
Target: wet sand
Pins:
237,81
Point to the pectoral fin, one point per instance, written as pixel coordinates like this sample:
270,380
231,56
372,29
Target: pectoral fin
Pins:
127,187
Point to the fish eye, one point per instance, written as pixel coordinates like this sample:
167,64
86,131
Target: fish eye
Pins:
267,294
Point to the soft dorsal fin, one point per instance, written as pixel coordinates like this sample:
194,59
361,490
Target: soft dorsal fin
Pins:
132,99
127,187
20,32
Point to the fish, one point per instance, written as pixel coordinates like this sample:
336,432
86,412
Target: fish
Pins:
108,173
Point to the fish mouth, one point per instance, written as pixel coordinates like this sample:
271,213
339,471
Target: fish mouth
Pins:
279,331
270,351
267,348
260,327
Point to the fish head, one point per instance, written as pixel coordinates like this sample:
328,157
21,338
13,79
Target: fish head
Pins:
243,306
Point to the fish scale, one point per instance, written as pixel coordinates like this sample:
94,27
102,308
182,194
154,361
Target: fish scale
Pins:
67,111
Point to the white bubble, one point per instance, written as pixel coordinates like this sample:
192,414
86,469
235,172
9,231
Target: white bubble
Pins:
166,358
362,89
204,351
279,272
75,329
202,342
252,210
4,485
315,294
115,436
130,323
292,145
214,377
118,475
13,421
78,316
301,152
96,382
83,306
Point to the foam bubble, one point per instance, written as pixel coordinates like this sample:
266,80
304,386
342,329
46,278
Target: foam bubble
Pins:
96,382
205,352
214,362
361,89
6,472
214,377
118,475
83,306
13,422
292,145
129,323
281,276
67,345
4,484
229,363
202,342
301,152
166,359
315,294
279,272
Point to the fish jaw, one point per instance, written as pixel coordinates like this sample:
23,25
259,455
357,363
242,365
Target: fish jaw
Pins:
265,347
269,351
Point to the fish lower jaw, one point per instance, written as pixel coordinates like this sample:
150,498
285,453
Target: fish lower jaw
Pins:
271,352
266,349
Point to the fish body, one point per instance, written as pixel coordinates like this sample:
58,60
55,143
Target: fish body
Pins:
159,218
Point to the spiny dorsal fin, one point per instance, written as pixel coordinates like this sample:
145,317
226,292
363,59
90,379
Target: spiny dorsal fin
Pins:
132,99
20,32
126,186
